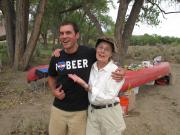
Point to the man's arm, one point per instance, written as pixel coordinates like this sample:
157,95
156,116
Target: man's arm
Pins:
57,92
119,74
56,53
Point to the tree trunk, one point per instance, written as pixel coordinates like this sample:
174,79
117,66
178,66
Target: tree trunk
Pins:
129,26
44,36
119,29
10,19
93,18
123,31
22,16
54,41
3,37
34,36
1,66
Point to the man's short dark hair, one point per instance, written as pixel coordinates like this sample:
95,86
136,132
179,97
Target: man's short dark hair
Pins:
73,24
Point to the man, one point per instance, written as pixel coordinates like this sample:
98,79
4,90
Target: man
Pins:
69,110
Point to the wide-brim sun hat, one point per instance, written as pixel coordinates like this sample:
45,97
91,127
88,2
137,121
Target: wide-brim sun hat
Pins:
106,39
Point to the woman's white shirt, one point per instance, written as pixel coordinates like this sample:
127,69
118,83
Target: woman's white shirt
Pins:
104,88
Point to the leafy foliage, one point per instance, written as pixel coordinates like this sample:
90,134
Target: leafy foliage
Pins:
154,40
149,14
58,11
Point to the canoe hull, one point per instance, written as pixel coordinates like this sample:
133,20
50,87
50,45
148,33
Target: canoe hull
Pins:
32,76
137,78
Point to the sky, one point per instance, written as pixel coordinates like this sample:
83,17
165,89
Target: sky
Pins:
168,27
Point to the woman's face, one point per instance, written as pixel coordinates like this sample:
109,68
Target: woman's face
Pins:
103,52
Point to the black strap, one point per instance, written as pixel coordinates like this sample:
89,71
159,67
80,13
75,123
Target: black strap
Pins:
104,106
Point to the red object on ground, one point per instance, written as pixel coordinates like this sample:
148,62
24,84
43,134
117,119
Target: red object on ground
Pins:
137,78
132,78
164,80
31,75
124,102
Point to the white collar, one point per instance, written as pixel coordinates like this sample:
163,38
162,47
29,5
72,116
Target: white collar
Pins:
107,67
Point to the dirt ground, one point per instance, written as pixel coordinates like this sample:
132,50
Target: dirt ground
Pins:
26,111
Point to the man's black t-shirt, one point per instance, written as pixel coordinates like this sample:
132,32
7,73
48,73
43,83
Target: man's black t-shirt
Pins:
79,63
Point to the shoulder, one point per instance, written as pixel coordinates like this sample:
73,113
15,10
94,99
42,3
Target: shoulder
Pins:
88,51
87,48
53,58
112,66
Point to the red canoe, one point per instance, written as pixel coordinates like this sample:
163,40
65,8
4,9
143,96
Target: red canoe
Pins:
32,76
132,78
140,77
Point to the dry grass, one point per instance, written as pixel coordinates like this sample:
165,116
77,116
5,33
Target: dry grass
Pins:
168,53
31,127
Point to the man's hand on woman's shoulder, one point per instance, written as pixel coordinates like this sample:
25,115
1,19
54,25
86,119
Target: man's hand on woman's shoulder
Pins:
56,52
119,74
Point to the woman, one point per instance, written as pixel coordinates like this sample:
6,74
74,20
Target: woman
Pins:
104,112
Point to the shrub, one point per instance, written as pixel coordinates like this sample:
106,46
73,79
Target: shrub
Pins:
153,40
168,53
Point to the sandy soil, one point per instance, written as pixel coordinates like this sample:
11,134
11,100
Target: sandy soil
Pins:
24,111
157,109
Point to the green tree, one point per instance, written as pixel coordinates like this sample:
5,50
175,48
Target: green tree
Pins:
90,15
129,12
20,49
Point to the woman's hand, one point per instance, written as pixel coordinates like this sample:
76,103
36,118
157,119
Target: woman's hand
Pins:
79,80
76,79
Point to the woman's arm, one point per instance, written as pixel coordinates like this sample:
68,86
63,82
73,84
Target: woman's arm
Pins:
80,81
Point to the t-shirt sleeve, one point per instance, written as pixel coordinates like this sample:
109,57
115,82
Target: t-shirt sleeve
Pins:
93,54
52,67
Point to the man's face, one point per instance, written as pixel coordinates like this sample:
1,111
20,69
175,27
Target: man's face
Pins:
68,37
